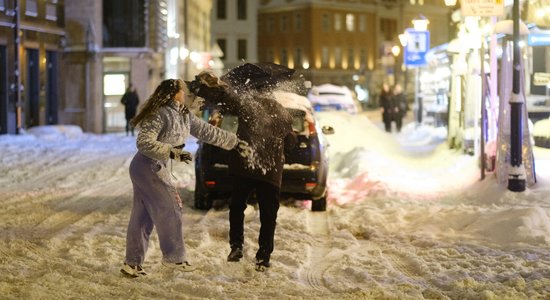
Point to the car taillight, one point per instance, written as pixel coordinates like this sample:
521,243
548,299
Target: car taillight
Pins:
310,186
210,184
312,129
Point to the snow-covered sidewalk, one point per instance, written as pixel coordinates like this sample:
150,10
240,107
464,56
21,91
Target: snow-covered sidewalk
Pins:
407,219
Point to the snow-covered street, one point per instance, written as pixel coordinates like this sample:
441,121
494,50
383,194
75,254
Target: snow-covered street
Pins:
407,218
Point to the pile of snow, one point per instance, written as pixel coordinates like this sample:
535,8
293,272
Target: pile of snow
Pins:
542,128
49,132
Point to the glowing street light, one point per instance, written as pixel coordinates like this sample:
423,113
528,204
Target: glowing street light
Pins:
450,2
421,23
395,50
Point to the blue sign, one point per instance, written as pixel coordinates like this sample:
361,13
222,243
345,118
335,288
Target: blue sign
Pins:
538,39
418,44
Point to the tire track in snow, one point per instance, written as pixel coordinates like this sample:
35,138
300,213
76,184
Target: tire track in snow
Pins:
413,270
317,265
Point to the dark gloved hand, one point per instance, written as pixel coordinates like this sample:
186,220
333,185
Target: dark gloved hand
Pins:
177,153
244,149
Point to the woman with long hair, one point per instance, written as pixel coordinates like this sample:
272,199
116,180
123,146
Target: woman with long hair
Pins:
165,122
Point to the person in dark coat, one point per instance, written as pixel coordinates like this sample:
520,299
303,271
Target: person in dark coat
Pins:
130,100
387,106
267,128
401,106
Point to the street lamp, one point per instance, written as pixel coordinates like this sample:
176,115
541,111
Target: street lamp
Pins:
450,2
403,39
420,24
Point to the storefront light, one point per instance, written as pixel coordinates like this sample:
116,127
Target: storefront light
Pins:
184,52
421,23
395,50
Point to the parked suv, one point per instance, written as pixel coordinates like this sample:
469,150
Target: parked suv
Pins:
305,169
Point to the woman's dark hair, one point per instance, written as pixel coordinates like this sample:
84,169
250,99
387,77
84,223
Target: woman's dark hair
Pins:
163,94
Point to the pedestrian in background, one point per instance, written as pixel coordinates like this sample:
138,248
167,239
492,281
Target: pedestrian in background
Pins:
401,106
165,122
387,106
130,100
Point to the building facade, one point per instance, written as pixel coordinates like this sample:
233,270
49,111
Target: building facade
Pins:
234,31
110,44
32,36
343,42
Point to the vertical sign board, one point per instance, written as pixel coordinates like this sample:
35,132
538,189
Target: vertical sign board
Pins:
482,8
418,44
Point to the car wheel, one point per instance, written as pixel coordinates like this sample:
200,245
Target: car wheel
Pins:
319,204
202,201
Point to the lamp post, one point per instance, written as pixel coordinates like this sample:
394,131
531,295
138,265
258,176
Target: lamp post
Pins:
420,24
516,177
395,51
403,41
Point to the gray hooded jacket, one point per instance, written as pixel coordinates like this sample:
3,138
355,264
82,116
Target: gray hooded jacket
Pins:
170,126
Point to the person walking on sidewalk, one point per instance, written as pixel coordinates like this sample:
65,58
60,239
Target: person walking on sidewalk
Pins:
130,100
401,106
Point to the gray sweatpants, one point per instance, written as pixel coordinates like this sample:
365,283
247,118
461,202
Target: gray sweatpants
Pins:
156,204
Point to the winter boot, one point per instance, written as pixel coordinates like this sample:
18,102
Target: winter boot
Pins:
182,266
132,271
262,264
236,254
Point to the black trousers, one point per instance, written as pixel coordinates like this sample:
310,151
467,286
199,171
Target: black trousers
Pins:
268,200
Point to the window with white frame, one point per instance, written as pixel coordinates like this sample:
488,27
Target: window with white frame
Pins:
350,22
362,23
51,11
337,22
298,20
338,57
324,56
325,22
284,57
284,23
31,8
351,58
298,57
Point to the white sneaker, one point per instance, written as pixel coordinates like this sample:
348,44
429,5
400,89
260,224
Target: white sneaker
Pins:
182,266
132,271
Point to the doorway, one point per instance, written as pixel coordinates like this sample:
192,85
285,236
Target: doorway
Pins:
52,90
32,89
4,100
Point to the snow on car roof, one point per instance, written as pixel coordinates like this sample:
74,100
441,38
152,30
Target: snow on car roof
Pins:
295,101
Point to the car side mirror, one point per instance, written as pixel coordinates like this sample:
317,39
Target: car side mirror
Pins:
327,129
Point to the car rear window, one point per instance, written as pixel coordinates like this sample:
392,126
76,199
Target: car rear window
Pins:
297,119
229,123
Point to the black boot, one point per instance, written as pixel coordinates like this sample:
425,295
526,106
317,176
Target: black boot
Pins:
236,254
262,260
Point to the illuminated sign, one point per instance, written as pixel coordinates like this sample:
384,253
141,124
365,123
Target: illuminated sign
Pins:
484,8
538,39
418,44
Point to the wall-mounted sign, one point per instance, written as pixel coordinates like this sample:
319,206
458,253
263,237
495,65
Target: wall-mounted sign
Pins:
538,39
484,8
418,44
541,79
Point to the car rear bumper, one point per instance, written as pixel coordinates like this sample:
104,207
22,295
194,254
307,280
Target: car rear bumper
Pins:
303,184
